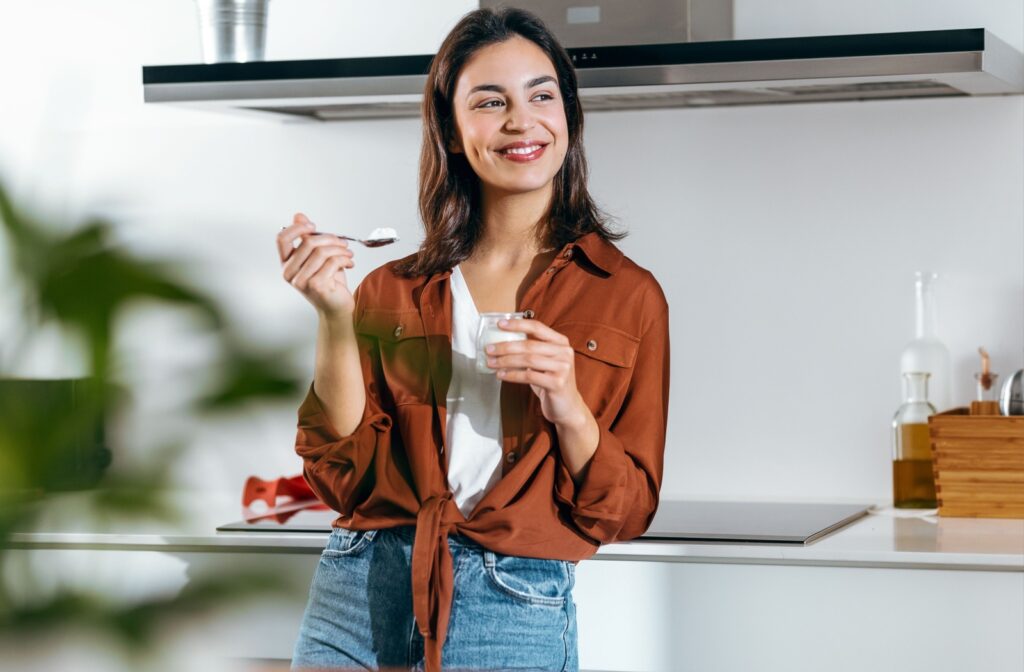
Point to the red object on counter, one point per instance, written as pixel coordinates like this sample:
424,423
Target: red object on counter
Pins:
299,497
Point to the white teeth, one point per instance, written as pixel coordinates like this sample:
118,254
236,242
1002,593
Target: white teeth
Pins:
522,150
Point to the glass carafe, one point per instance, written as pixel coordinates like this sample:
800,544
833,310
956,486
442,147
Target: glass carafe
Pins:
913,483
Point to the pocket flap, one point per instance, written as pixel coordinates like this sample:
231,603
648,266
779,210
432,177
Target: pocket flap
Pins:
390,325
601,342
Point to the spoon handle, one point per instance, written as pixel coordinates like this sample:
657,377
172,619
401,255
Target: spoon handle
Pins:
338,235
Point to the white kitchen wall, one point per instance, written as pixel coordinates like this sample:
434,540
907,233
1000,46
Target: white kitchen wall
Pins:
785,237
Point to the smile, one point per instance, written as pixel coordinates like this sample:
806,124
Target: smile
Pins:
523,154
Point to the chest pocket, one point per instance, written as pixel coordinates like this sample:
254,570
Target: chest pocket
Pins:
404,358
604,361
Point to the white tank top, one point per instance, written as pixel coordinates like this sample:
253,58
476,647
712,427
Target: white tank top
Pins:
474,408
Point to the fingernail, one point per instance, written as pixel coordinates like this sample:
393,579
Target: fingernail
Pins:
502,323
490,348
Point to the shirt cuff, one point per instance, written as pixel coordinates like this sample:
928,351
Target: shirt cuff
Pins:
601,494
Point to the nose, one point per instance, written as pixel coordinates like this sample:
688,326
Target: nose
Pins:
520,119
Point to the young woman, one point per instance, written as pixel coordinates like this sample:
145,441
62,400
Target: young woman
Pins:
466,498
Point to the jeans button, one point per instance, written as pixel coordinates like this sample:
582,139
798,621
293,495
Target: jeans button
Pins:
528,314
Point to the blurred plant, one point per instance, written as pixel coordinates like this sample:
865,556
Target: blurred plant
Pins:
82,282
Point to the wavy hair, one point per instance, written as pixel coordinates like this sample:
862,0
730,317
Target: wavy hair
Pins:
449,190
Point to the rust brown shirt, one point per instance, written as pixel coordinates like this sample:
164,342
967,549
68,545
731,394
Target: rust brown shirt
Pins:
391,470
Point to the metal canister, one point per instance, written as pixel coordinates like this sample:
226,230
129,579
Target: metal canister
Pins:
232,30
1011,397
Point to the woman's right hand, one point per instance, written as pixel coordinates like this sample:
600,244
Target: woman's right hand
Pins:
317,267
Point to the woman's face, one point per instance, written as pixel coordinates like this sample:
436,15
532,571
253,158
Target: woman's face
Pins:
507,98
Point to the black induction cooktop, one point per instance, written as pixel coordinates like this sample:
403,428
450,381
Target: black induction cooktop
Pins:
676,520
766,522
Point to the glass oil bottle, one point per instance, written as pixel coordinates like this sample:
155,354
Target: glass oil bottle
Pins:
913,482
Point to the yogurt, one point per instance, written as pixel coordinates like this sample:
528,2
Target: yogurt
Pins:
385,232
489,332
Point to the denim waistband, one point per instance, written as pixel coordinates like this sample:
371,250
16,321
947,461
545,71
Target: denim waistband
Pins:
408,533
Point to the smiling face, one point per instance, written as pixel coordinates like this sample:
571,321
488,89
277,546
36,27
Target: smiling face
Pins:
509,117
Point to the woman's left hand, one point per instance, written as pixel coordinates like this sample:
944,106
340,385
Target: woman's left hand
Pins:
546,362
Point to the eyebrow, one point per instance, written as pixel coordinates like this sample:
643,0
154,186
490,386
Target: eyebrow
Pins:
536,81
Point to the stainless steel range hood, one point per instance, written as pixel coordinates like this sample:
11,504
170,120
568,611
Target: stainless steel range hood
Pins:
964,62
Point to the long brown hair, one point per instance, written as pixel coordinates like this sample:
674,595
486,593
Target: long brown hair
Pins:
450,190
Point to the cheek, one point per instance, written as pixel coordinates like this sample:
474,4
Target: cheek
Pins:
560,129
469,134
558,123
475,145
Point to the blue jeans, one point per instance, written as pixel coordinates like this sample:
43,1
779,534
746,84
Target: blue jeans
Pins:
508,612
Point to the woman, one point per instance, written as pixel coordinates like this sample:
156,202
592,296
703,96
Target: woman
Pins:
467,498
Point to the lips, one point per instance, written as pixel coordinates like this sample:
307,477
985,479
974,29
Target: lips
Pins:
522,152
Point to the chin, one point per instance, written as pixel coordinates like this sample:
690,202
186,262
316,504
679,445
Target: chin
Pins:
523,186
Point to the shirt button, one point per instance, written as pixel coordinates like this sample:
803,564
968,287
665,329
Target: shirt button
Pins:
510,458
528,314
591,344
398,331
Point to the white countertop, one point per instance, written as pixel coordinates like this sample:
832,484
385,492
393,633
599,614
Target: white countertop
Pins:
884,538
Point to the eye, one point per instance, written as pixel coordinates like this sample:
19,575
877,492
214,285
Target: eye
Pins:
547,95
487,103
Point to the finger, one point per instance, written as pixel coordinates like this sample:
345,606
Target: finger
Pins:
324,278
534,328
287,235
309,244
529,346
305,251
544,380
312,265
529,361
304,254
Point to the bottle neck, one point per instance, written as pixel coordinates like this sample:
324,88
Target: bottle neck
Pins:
916,386
924,294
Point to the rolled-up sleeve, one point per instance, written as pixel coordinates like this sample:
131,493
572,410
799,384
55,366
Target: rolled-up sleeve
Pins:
618,496
339,469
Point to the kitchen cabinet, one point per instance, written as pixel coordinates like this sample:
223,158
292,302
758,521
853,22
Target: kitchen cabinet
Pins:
883,593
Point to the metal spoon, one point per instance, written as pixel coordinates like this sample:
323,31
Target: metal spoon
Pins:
368,242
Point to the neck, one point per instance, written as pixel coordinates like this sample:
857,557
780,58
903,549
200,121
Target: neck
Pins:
514,227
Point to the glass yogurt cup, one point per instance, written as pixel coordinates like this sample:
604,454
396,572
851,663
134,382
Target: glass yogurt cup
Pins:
489,332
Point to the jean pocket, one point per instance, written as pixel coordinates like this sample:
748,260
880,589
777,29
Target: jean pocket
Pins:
345,543
536,581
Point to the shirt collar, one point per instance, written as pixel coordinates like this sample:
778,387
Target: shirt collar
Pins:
598,251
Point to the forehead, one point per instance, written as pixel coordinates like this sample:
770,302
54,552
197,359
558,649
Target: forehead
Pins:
511,63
